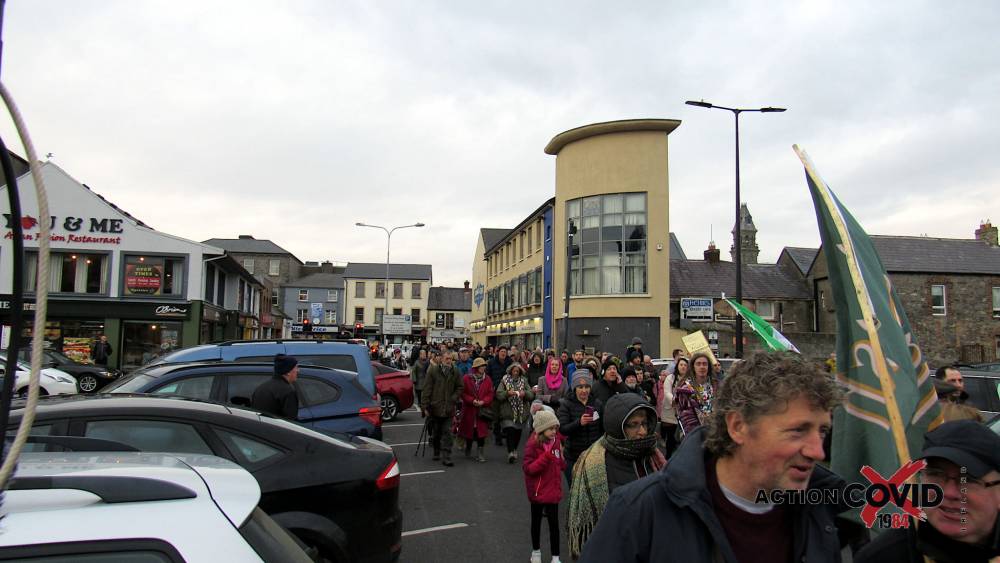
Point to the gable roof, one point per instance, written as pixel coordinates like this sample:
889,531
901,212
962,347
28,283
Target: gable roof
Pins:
801,257
249,246
320,280
371,270
533,216
492,236
449,299
937,255
676,252
697,278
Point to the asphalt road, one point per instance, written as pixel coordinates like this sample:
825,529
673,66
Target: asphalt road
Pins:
473,511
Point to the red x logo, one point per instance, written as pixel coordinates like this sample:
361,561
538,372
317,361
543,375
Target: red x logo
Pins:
869,512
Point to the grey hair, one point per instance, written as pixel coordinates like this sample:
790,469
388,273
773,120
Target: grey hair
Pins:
764,384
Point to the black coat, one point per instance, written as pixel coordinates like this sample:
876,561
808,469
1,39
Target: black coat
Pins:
603,391
669,517
909,545
497,369
622,471
578,436
276,396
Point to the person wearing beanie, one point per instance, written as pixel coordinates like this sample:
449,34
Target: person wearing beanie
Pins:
610,384
579,415
543,465
277,395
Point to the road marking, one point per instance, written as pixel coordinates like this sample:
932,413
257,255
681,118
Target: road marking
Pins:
435,529
421,473
384,426
404,444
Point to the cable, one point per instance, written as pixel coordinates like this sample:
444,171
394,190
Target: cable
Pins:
41,291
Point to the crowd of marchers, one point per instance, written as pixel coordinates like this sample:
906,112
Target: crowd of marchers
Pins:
669,466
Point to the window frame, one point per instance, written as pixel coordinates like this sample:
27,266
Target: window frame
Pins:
359,289
248,264
274,267
331,296
30,272
416,290
359,315
395,286
303,298
415,315
939,310
995,294
603,244
380,294
179,293
773,306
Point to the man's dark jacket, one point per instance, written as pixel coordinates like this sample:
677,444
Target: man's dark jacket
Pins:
276,396
602,390
497,369
669,516
909,545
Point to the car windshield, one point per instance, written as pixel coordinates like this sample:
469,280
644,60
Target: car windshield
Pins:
129,384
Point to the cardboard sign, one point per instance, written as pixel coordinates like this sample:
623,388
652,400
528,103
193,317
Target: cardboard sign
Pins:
695,343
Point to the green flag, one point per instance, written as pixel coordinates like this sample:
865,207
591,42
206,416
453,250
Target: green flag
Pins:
773,339
891,401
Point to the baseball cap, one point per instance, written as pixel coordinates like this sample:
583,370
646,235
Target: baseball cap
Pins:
965,443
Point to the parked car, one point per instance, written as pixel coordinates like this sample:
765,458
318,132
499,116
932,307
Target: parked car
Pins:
992,367
338,355
337,494
50,380
99,507
983,388
89,377
329,399
395,389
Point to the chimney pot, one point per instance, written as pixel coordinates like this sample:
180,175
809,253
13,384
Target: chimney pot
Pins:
466,284
988,234
246,237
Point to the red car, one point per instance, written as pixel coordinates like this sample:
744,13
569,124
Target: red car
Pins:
395,388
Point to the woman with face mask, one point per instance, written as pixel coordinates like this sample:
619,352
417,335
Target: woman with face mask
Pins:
626,452
694,395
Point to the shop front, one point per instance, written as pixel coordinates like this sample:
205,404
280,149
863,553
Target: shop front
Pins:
524,333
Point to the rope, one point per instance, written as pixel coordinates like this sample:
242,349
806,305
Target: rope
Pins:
41,291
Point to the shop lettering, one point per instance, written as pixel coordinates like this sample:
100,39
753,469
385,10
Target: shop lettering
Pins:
83,239
72,224
170,310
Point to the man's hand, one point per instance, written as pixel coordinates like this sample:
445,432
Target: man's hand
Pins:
586,419
513,393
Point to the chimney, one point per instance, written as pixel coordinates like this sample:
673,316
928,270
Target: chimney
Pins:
466,284
712,254
987,233
246,237
326,267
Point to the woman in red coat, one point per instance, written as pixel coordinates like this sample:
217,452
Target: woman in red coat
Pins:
477,396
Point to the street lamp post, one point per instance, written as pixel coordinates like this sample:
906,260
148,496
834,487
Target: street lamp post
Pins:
738,243
388,241
569,265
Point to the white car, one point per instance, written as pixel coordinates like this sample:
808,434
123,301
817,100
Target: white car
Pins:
138,507
51,380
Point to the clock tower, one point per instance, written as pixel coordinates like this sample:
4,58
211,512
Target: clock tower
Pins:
748,245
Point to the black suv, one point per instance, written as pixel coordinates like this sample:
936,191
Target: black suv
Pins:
89,377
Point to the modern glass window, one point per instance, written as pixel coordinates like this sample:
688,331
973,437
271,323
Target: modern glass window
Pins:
273,267
415,290
70,272
253,451
532,286
938,304
248,264
153,276
380,290
331,295
303,295
521,247
415,316
610,244
538,285
523,289
996,304
359,314
379,311
397,290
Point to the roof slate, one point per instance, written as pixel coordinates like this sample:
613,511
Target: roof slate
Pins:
248,246
696,278
492,236
802,257
937,255
322,280
449,299
676,251
369,270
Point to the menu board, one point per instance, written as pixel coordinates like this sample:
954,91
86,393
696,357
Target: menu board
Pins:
143,279
77,349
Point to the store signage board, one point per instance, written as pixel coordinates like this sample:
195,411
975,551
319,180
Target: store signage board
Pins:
143,279
79,230
697,309
397,324
316,312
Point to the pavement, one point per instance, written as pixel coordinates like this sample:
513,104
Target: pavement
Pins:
470,512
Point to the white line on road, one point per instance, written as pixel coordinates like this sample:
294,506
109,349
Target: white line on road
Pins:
435,529
404,444
384,426
421,473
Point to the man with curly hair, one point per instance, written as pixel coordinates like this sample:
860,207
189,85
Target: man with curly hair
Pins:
765,433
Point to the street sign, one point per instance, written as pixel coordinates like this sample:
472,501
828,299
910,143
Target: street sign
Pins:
397,324
696,310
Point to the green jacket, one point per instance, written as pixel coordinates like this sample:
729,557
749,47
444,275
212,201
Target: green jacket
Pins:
503,401
442,389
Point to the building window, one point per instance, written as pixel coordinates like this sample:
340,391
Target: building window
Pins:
303,295
444,320
147,276
397,290
521,247
248,264
379,312
531,238
548,289
331,317
300,315
938,305
380,290
415,316
766,309
538,286
331,295
523,291
996,305
611,243
996,351
397,311
359,289
359,314
538,235
548,233
273,267
274,298
69,272
415,291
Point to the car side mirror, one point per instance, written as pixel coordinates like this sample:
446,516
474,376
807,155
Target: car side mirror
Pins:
52,364
240,401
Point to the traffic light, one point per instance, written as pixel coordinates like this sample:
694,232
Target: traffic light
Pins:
358,327
306,325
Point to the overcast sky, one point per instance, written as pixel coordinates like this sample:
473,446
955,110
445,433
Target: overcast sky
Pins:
293,120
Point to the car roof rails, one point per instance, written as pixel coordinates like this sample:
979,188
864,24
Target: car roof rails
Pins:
79,443
111,489
194,364
281,341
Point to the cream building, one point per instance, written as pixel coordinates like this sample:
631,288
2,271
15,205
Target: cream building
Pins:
365,293
449,313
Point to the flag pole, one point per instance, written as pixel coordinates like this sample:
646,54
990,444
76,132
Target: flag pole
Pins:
879,361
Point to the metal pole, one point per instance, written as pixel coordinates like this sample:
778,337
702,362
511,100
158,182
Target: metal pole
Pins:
385,310
739,244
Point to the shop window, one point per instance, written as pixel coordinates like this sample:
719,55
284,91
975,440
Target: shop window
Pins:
415,316
153,276
303,295
146,341
273,267
609,254
938,305
397,290
359,314
379,290
70,272
415,291
331,295
359,289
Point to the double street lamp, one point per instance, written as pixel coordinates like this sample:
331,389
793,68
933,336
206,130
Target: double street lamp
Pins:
738,243
388,241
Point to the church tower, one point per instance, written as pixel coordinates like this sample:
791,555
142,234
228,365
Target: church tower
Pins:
749,234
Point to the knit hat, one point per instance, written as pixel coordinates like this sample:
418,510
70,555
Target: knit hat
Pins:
636,340
582,377
544,419
284,364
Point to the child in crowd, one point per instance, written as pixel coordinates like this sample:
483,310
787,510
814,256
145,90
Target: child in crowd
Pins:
543,467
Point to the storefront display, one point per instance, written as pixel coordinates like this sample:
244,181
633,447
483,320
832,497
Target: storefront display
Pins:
145,341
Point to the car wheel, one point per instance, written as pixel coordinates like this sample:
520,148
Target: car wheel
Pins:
23,392
390,408
88,383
